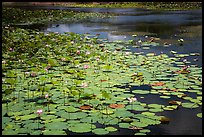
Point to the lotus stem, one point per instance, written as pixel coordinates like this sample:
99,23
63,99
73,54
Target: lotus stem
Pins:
64,98
38,122
48,106
7,106
28,89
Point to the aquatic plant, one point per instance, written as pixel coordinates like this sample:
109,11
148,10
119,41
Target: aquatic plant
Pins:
81,97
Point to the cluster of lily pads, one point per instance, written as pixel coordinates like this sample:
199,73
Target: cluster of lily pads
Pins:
147,5
70,83
15,16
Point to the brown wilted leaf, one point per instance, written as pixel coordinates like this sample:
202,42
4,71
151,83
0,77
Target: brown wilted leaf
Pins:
164,120
85,107
158,84
116,105
173,102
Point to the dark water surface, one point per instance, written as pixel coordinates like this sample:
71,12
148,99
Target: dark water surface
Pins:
169,26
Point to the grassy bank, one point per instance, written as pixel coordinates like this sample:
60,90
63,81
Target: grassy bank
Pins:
146,5
15,16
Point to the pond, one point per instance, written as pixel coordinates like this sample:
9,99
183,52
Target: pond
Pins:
165,27
169,26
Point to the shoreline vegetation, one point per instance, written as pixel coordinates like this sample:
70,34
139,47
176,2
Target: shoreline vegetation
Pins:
146,5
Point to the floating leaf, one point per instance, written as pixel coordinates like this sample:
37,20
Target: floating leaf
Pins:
56,125
81,127
158,84
26,117
107,111
128,120
173,102
54,132
139,134
139,124
189,105
164,120
199,115
116,105
100,131
111,129
124,125
85,107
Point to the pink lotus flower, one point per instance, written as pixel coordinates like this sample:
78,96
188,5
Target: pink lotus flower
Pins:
184,60
3,62
27,73
86,66
87,53
33,74
78,52
10,49
97,59
84,85
63,59
39,112
132,99
127,53
46,69
46,96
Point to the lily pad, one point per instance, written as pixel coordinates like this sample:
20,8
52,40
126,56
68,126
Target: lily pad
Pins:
189,105
82,127
199,115
111,129
100,131
54,132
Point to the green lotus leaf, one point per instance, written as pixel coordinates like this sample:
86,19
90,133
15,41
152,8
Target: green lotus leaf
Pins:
189,105
6,119
145,47
90,119
155,106
145,131
36,132
82,127
33,125
100,131
128,120
54,132
165,97
48,117
124,125
56,125
138,124
148,113
111,129
26,131
140,134
71,109
9,132
199,115
172,107
30,116
108,111
140,91
53,62
123,113
77,115
136,107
